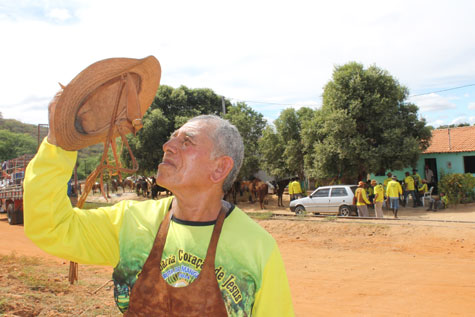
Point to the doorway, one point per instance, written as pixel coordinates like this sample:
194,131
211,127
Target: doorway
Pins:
432,164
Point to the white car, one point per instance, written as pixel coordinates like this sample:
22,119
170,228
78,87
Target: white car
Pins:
335,199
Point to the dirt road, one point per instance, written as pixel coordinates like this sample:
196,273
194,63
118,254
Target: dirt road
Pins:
420,265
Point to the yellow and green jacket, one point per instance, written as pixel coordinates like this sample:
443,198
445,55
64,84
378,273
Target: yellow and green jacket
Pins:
379,193
409,181
394,189
423,188
249,267
361,198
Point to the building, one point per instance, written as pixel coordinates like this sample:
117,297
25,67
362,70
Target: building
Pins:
451,151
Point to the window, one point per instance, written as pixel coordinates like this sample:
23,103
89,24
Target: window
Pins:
469,162
322,192
339,192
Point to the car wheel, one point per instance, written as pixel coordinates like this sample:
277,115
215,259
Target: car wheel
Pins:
299,210
344,211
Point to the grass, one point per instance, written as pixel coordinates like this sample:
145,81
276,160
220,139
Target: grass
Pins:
91,205
260,215
31,286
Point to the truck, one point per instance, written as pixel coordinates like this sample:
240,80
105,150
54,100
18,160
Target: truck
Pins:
11,188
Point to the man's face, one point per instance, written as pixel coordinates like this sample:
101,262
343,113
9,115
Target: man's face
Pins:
187,161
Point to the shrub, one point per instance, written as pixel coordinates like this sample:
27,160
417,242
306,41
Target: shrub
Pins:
459,188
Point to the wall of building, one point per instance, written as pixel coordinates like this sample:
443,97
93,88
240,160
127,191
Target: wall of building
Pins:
447,163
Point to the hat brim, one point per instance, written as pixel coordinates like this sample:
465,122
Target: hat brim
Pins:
86,82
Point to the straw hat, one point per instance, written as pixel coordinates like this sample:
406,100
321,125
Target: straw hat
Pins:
83,114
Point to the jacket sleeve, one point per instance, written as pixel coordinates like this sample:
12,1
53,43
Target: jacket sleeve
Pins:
273,298
365,197
79,235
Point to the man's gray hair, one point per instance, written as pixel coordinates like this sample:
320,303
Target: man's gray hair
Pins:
227,141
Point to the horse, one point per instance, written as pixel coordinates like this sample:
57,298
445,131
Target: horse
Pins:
95,187
247,186
157,189
116,184
128,182
280,187
260,189
141,187
257,189
233,192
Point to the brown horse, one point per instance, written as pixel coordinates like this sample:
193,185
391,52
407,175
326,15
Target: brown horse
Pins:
128,182
116,184
142,187
97,187
260,189
232,192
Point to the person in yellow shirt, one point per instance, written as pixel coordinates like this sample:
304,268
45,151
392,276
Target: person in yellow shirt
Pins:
362,200
370,192
387,180
417,183
417,177
378,199
297,189
409,190
393,191
291,190
423,188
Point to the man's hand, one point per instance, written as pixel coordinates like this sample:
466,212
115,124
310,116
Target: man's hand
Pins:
51,108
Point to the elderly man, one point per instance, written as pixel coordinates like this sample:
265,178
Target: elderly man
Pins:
191,254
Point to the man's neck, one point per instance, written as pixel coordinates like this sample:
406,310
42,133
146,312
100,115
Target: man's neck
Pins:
197,208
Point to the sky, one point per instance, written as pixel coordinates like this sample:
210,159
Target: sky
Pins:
270,54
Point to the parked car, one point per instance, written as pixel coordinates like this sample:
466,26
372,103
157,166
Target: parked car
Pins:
335,199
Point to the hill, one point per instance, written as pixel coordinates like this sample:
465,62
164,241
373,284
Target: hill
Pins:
16,126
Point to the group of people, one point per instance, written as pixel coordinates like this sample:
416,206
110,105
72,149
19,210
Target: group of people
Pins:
374,194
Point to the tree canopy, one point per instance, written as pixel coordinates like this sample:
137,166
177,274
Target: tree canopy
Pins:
365,126
250,125
282,154
13,145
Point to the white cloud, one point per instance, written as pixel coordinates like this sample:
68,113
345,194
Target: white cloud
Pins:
436,123
59,14
471,106
277,51
432,102
461,119
471,120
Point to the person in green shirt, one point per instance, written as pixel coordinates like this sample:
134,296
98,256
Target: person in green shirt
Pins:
201,160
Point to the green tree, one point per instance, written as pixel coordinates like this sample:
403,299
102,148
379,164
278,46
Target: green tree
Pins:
13,145
282,151
250,124
365,125
271,148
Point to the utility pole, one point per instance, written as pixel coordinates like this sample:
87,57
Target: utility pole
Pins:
223,105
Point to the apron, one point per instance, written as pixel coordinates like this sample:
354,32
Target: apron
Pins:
151,295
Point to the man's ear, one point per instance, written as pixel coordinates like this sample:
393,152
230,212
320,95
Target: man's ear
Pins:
222,168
